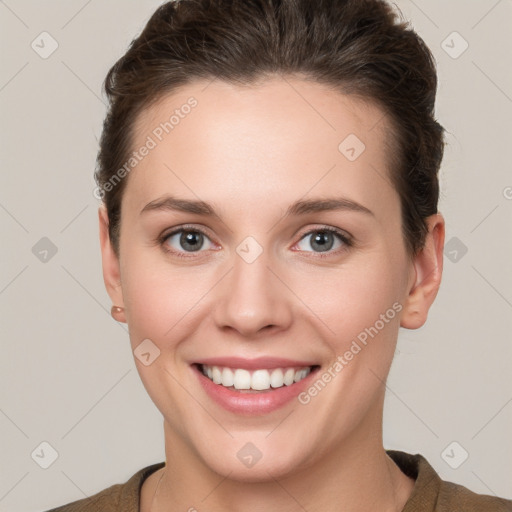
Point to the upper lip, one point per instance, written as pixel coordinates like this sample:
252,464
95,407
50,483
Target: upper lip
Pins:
254,364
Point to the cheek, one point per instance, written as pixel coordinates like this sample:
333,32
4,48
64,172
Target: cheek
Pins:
353,297
159,305
360,305
164,301
156,298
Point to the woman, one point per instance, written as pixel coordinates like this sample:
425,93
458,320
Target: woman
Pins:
268,171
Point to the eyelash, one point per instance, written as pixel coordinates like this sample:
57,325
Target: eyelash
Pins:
346,240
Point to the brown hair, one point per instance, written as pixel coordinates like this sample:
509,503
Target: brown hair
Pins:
360,47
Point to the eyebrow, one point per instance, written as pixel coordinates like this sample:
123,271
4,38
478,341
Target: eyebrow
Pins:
170,203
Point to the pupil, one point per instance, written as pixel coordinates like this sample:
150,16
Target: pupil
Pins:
191,240
320,239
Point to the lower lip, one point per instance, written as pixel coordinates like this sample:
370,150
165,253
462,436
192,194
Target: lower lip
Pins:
262,402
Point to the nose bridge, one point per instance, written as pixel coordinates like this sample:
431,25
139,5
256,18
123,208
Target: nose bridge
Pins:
252,298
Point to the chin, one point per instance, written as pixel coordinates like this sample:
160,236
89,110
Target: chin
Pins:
261,471
244,462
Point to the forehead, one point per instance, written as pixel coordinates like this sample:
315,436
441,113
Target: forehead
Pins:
285,134
286,102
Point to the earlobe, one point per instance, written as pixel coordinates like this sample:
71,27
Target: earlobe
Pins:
428,267
111,267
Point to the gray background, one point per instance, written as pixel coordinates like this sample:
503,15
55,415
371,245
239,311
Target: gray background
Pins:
68,375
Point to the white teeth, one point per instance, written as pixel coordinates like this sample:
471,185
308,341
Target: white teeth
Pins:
300,375
242,379
258,380
228,378
276,378
217,375
288,376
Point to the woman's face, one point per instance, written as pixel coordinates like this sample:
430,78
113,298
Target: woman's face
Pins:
254,282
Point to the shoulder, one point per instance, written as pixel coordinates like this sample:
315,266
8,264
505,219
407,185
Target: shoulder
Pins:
456,497
116,498
431,494
106,501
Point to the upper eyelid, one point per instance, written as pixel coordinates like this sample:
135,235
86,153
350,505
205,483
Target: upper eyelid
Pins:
179,229
341,233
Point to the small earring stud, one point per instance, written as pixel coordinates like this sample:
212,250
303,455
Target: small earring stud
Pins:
116,311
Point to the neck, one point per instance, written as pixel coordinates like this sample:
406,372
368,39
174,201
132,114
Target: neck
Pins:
356,477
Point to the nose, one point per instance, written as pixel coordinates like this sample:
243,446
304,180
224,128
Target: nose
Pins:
253,300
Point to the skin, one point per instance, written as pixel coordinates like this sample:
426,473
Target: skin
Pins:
251,152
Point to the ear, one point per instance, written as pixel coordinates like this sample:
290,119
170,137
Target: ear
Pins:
110,262
426,278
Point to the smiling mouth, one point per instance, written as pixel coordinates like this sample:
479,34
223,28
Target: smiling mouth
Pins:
253,381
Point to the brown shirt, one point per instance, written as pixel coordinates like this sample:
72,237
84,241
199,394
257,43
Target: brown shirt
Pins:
430,493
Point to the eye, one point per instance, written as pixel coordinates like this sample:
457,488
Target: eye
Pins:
324,239
188,239
185,240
